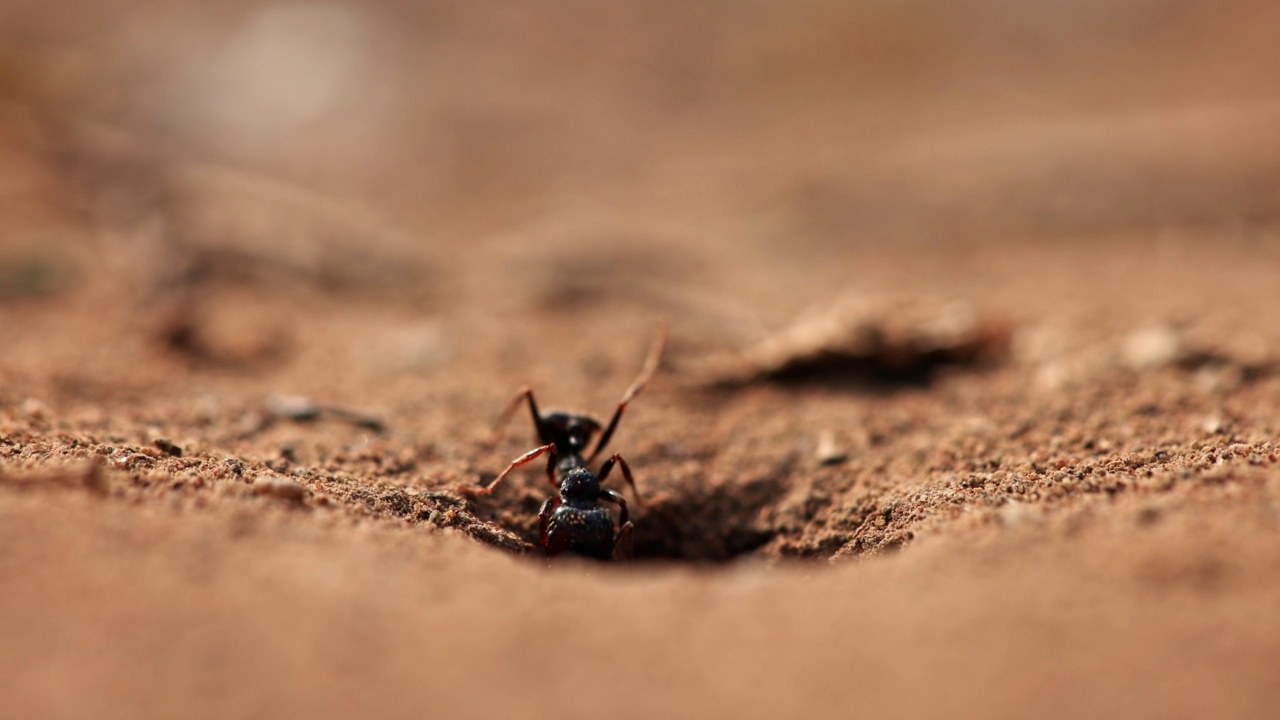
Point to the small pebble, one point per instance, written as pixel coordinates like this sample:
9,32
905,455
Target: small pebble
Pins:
281,488
293,407
828,452
1213,425
1152,347
34,409
167,447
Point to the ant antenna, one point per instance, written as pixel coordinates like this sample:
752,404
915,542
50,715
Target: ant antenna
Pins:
650,367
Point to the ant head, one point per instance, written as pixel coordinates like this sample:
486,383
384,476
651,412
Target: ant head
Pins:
580,484
571,433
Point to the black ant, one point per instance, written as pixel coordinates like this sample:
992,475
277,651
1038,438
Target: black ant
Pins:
575,522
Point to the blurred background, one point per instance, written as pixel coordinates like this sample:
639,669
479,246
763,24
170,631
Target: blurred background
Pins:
419,150
218,217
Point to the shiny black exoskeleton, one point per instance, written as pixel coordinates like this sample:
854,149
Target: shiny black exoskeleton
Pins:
575,522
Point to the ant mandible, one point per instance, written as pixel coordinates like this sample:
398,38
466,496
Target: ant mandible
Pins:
575,521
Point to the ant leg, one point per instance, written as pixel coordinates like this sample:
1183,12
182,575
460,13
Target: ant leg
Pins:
544,517
622,546
622,542
551,465
527,457
626,473
525,395
650,367
624,517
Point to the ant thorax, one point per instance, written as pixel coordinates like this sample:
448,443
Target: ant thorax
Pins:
566,463
570,432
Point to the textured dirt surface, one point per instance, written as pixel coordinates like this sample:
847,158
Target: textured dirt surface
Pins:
234,411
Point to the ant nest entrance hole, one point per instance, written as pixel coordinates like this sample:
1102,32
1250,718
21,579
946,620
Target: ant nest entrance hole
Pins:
691,523
711,524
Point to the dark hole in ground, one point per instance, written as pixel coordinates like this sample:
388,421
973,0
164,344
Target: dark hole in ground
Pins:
865,376
871,375
697,523
709,524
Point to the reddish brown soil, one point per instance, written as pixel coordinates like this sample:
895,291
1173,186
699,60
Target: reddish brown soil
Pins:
1089,526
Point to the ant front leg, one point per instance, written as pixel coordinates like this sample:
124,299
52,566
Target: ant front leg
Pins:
623,546
525,395
626,473
544,517
622,542
650,367
527,457
552,455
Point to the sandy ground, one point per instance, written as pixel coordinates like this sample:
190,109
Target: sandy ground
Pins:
1085,523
